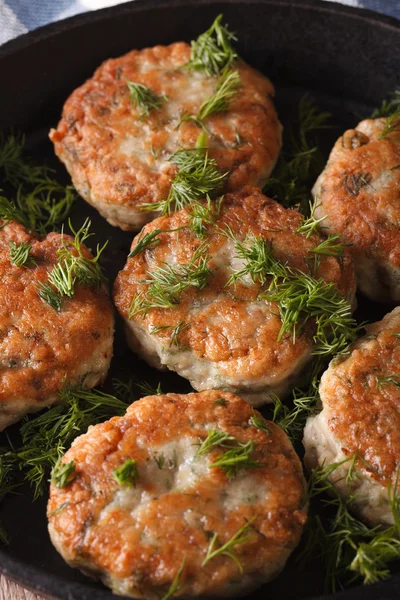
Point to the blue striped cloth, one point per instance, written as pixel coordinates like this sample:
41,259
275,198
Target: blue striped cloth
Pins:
20,16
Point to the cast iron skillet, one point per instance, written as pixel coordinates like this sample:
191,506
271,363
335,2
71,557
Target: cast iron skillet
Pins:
349,59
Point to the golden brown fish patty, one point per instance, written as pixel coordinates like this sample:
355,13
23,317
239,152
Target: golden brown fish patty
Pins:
118,159
360,393
228,337
137,537
359,194
41,350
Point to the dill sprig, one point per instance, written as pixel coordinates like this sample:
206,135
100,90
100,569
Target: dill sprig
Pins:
349,549
198,176
44,438
203,213
259,423
215,439
240,537
145,241
19,254
236,459
73,268
392,124
390,379
300,297
63,474
300,162
148,390
167,283
331,246
127,474
311,224
15,167
388,106
212,52
144,98
176,583
227,86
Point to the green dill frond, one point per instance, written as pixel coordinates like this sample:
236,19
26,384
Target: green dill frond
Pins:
203,213
197,176
127,474
293,419
124,390
310,224
19,254
392,124
390,379
63,474
212,52
221,402
236,459
167,283
260,261
331,246
15,167
300,162
145,241
148,390
215,439
176,583
144,98
49,295
74,267
8,469
240,537
388,106
227,86
159,460
259,423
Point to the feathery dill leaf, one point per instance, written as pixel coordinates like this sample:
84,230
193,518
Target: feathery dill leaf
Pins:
166,283
127,474
236,459
19,254
203,213
259,423
349,549
197,177
388,106
215,438
227,86
331,246
300,162
124,390
175,585
240,537
389,379
63,474
146,240
392,124
212,51
49,295
144,98
15,167
311,224
74,267
148,390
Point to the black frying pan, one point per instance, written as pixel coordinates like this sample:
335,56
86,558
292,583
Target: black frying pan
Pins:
349,59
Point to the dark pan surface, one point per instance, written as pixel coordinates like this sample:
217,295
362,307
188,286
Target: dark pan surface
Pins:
348,59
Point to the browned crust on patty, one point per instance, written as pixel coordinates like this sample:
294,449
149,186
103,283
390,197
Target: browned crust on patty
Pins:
99,121
116,544
364,415
41,349
359,191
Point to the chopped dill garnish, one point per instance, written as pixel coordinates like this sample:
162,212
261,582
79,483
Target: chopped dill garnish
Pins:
397,335
197,177
212,52
215,439
240,537
236,459
311,224
124,390
49,295
159,460
175,585
203,213
127,474
331,246
148,390
349,549
388,106
227,86
390,379
259,423
167,283
19,254
73,267
220,402
146,240
63,473
300,162
392,124
142,97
